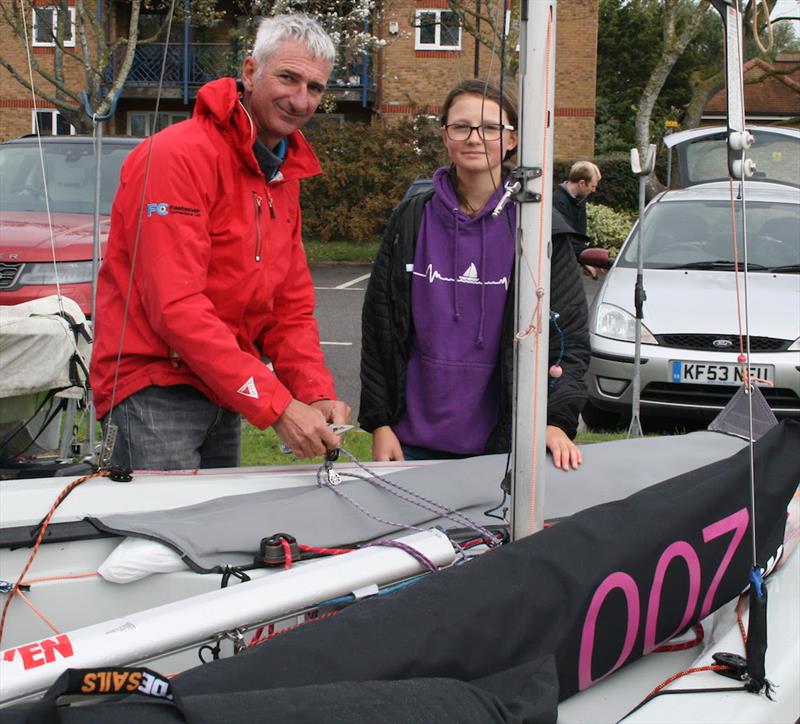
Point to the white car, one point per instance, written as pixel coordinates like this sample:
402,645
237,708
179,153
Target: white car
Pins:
695,314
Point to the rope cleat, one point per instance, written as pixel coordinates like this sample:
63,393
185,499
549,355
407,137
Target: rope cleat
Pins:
274,551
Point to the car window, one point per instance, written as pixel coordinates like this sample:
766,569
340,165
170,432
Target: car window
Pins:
777,158
695,232
70,173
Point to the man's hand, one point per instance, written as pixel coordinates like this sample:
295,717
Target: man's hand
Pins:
385,445
565,452
334,411
304,428
590,271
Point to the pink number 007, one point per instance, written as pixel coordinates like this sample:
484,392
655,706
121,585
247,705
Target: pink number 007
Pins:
736,522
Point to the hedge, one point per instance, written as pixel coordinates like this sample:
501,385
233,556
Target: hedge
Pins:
368,167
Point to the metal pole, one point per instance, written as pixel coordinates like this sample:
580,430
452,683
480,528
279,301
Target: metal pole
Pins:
639,297
643,169
537,53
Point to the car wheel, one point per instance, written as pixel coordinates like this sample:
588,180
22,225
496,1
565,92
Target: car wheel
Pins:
597,418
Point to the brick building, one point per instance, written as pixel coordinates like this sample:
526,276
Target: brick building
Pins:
426,53
774,99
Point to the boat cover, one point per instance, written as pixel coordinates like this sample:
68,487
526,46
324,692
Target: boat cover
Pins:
41,349
591,594
227,531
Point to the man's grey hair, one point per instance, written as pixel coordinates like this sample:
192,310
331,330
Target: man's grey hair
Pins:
274,30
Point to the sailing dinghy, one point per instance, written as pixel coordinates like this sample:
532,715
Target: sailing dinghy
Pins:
651,539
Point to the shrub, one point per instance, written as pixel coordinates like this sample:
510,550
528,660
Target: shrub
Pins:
366,170
606,227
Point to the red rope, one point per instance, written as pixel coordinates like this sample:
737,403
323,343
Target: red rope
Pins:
675,677
698,638
325,551
42,530
287,554
274,633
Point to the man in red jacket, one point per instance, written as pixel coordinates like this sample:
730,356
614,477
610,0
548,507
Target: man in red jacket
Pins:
205,272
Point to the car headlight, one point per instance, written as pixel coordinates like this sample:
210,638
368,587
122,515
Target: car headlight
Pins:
795,346
615,323
69,272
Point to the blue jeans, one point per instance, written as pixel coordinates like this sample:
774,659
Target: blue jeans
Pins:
174,428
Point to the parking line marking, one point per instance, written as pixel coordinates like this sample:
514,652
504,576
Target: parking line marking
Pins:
352,282
338,344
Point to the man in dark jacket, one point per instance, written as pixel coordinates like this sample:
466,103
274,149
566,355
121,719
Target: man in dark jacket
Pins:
570,197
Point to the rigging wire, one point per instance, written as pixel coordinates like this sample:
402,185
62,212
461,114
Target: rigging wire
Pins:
745,276
23,13
104,449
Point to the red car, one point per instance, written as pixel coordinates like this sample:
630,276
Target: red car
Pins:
31,260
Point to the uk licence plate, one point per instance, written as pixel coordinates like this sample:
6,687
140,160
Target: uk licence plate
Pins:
713,373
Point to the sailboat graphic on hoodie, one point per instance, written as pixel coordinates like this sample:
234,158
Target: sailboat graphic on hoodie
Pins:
470,276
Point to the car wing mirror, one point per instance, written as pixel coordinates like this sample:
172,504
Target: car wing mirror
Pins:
596,257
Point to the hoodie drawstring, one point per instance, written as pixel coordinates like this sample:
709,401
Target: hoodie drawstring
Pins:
456,308
479,340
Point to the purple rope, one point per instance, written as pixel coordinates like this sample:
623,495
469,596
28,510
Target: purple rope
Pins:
323,483
419,500
423,560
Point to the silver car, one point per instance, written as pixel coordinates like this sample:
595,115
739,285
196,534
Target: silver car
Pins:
695,313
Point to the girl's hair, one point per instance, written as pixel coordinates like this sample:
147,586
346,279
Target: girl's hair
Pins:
484,89
308,31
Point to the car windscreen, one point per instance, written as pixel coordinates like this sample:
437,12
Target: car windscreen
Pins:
70,172
777,158
698,234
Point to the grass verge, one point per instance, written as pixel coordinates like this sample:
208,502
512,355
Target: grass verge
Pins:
340,251
261,447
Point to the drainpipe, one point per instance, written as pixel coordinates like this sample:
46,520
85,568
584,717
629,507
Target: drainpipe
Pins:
365,71
186,4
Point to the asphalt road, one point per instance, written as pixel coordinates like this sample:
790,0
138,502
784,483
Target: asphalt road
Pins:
340,296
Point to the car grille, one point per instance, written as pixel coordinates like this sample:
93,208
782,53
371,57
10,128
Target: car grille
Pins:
8,274
706,341
715,395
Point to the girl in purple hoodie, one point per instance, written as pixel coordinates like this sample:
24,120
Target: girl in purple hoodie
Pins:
436,347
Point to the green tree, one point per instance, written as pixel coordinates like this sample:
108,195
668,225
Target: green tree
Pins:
662,60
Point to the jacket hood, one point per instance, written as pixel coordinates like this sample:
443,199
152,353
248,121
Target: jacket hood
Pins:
219,102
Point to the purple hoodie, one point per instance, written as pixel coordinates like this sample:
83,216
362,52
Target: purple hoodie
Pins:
462,269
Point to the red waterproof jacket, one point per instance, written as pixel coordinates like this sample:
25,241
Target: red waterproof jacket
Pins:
220,276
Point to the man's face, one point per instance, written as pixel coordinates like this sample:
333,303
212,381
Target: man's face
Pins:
286,91
584,188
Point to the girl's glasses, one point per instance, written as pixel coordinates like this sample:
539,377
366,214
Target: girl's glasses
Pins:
486,131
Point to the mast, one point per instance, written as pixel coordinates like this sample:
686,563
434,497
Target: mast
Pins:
534,181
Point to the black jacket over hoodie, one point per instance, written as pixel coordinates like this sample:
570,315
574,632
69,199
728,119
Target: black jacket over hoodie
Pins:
387,327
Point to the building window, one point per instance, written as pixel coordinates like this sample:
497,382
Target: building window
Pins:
45,27
143,123
51,123
438,30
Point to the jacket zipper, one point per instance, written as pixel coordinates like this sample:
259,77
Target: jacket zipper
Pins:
271,207
257,204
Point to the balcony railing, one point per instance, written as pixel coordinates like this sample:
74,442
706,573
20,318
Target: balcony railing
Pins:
194,64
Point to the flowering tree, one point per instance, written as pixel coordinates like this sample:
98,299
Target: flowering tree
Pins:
83,41
80,40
